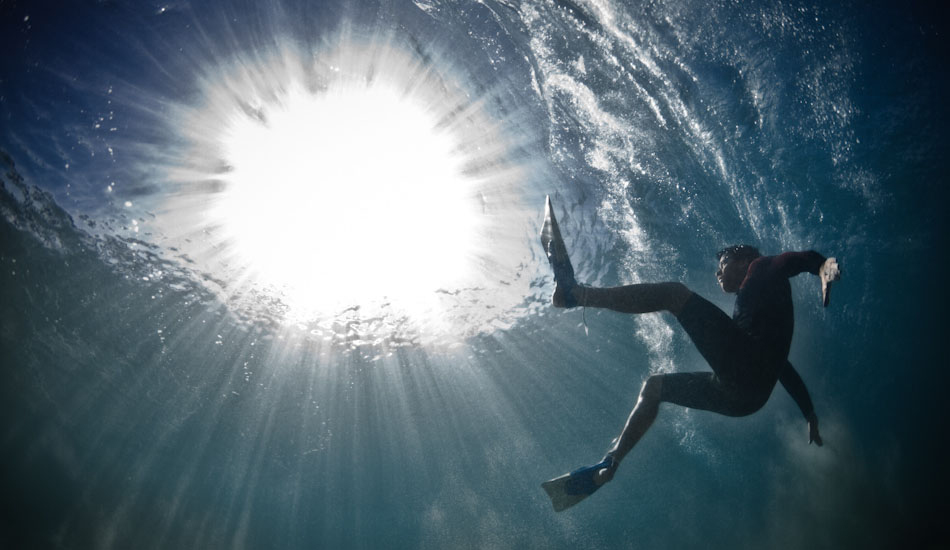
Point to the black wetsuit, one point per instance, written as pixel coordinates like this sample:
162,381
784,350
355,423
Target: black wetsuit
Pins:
749,352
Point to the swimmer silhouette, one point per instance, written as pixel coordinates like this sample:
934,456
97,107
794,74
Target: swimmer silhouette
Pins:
748,353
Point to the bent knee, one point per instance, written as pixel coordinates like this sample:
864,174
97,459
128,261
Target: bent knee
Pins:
652,388
678,296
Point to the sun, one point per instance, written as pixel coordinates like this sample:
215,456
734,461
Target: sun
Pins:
346,196
363,189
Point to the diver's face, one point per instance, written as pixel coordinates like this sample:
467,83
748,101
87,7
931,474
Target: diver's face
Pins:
731,273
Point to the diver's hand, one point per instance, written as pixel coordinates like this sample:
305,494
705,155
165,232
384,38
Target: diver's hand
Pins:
813,435
828,272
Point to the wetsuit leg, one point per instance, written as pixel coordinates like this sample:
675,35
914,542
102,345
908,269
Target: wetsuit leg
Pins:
705,391
717,337
734,388
637,298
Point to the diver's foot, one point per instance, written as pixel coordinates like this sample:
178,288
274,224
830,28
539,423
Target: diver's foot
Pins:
606,473
586,480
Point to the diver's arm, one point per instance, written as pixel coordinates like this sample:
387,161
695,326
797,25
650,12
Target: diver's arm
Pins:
790,264
795,387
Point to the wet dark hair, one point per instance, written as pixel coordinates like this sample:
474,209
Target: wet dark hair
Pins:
739,252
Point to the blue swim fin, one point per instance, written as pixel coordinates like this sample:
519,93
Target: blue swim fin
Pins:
569,489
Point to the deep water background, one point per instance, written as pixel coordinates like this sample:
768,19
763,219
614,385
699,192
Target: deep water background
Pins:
141,409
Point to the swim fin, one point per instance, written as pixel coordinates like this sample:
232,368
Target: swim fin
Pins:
556,251
569,489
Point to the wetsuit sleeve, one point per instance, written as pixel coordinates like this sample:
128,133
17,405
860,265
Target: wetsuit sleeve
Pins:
790,264
795,387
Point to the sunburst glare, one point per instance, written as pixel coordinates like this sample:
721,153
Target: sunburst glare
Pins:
359,179
347,195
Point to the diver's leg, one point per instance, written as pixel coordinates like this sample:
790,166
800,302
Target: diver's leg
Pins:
716,336
719,341
639,421
639,298
694,390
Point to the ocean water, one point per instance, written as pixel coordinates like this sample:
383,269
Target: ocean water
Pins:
226,319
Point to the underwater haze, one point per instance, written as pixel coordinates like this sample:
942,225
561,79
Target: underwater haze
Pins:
270,274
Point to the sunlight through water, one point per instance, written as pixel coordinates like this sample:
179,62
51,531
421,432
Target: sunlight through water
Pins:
347,194
360,183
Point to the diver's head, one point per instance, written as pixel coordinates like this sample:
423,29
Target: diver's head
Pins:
734,264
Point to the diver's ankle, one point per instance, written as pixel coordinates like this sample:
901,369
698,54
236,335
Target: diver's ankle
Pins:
568,296
605,474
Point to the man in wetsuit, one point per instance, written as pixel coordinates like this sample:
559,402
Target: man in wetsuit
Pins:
747,353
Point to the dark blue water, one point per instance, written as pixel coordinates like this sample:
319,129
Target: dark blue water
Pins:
157,394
